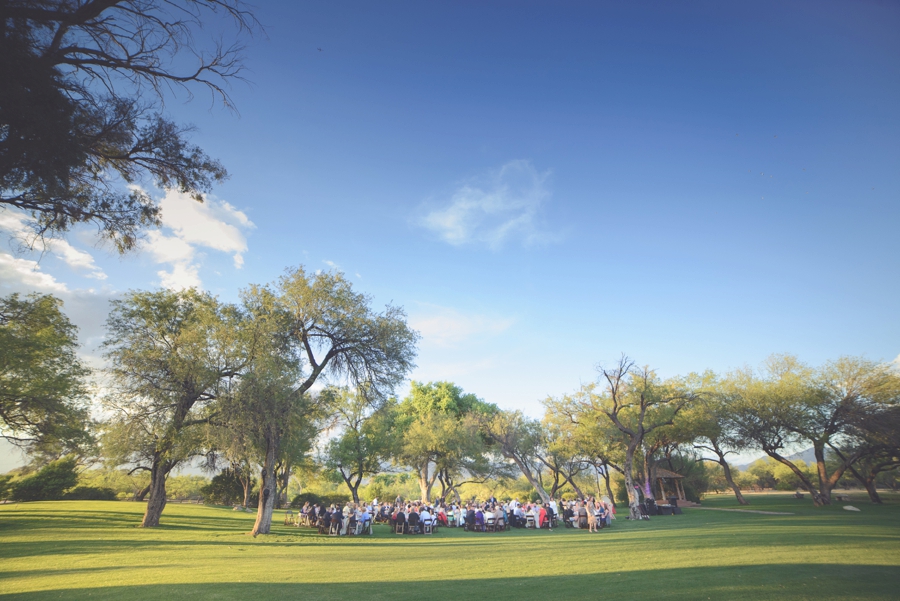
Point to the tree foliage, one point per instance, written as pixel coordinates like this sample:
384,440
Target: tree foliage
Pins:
170,354
81,106
43,389
47,484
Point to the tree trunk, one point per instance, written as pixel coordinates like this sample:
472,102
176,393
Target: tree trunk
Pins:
139,495
425,488
354,489
609,492
575,486
283,481
825,483
634,503
730,479
245,482
545,498
648,490
267,490
157,501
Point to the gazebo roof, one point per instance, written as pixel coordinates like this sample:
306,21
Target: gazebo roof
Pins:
663,473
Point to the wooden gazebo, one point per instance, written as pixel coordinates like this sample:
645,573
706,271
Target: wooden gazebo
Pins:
661,475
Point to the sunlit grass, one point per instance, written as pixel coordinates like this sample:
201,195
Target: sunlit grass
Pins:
75,550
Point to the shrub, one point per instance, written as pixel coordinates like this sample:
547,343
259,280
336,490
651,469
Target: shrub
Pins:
225,489
47,484
306,497
90,493
5,486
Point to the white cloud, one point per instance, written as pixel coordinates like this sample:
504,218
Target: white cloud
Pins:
333,265
17,225
182,275
502,206
189,225
24,275
446,327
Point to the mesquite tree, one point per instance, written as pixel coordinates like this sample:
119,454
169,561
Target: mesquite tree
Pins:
330,332
636,402
169,355
789,403
81,106
518,439
43,388
364,444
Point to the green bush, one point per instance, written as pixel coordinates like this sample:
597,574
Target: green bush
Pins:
47,484
313,498
90,493
306,497
5,486
224,489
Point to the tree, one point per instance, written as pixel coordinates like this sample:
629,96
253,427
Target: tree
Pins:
636,402
47,484
170,354
789,403
441,436
84,82
364,445
518,439
560,452
328,331
878,438
43,390
708,427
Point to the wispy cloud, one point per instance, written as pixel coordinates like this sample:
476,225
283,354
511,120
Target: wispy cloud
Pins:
504,205
18,227
447,327
188,226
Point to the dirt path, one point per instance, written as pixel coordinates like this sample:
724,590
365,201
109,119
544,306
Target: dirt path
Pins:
743,510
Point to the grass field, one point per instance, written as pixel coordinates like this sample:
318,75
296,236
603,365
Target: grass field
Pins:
81,550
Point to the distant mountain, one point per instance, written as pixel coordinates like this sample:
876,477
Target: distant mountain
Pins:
807,455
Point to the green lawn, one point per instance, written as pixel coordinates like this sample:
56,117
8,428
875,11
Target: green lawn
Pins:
79,550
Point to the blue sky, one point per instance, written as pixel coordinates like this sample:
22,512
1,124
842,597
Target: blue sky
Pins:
544,186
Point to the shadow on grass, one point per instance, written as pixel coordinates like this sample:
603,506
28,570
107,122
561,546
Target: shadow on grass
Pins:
821,582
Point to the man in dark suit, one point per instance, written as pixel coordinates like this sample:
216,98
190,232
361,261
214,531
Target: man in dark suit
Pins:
470,518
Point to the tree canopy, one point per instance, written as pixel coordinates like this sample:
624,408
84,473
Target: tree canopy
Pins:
81,121
43,386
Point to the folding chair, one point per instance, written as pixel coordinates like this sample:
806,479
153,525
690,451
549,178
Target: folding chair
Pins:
491,525
288,518
335,528
427,526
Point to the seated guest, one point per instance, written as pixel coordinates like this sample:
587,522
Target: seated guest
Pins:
412,520
424,516
542,517
399,519
568,516
479,520
520,517
470,518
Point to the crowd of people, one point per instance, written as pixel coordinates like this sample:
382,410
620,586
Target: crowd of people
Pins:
417,517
